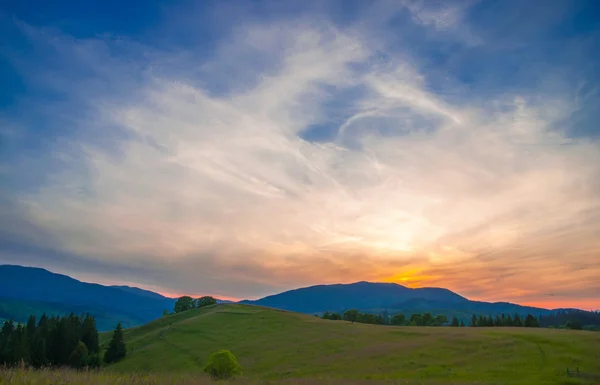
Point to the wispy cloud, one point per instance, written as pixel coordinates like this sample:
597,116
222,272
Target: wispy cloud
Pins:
203,177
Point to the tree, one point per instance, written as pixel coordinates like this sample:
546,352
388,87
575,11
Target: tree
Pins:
398,319
462,324
335,316
116,350
6,354
326,315
205,301
454,322
351,315
517,320
473,321
31,326
37,349
184,303
441,320
89,334
531,322
222,365
79,355
165,313
19,345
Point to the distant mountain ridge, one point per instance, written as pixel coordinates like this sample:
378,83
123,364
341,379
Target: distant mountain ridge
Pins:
27,290
391,297
132,306
360,295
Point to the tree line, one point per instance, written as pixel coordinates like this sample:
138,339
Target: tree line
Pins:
354,315
572,319
186,303
428,319
529,321
57,341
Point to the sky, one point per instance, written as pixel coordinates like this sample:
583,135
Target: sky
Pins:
244,148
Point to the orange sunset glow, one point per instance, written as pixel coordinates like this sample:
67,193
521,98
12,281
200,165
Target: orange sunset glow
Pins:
307,151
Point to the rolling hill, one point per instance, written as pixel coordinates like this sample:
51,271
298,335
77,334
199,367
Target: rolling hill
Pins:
273,345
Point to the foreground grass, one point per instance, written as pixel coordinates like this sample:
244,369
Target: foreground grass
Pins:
63,377
277,345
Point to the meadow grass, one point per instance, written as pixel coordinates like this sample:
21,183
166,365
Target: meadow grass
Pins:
279,345
284,347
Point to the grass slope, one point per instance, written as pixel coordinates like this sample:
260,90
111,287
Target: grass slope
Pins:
273,344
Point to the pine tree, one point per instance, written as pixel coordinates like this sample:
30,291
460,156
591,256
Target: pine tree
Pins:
473,321
116,348
6,335
454,322
462,324
31,326
37,349
89,334
517,320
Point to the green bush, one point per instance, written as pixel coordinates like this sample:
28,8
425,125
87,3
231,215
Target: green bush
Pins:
78,357
222,365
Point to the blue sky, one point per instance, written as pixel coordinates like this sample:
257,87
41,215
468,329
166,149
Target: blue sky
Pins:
243,148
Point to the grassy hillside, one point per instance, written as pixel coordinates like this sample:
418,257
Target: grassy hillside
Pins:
273,344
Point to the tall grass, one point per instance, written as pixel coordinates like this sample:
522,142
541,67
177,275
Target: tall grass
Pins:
24,376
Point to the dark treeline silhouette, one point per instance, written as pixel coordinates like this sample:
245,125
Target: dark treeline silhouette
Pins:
572,319
529,321
428,319
57,341
53,341
354,315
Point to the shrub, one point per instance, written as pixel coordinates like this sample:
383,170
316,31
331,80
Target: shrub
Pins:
78,357
222,365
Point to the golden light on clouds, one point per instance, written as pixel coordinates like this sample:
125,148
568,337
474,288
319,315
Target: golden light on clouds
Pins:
336,160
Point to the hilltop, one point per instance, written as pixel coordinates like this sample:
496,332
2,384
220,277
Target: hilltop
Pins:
275,344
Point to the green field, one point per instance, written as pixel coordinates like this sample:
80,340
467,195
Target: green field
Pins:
276,345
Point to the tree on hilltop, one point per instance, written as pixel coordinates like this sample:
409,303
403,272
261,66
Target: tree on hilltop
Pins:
184,303
205,301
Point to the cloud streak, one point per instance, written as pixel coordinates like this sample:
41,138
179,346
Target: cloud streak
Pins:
215,189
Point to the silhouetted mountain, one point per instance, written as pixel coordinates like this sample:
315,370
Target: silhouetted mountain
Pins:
390,297
359,295
30,285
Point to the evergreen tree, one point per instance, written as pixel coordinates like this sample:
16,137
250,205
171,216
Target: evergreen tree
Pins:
531,322
89,334
473,321
116,347
6,336
326,315
462,324
509,321
481,321
31,326
38,349
517,320
454,322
